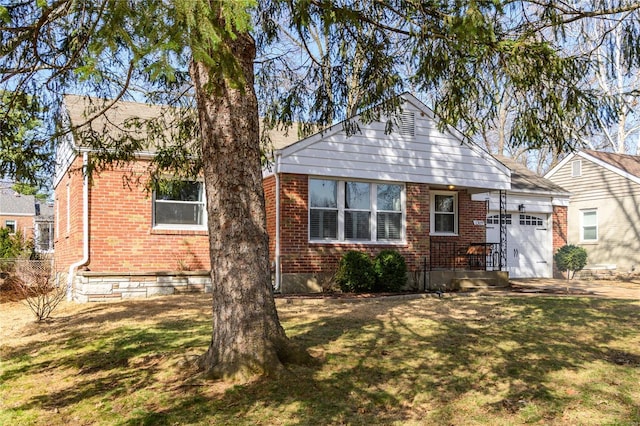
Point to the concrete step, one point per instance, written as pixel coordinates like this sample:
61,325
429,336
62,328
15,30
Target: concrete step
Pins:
467,284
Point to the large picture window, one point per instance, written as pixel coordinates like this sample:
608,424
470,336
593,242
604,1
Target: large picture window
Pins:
179,204
444,213
355,211
589,232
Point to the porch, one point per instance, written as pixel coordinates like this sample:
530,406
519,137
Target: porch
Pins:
464,266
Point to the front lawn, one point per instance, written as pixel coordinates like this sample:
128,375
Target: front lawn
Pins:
452,361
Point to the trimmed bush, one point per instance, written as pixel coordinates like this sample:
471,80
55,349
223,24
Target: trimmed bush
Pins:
355,272
391,271
570,258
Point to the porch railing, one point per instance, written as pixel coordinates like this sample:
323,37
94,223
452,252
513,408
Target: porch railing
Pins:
450,255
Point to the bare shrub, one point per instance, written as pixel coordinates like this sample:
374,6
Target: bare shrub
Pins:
33,281
328,282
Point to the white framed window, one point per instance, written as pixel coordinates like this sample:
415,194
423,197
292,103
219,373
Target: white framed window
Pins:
179,204
576,168
529,220
589,225
323,209
389,212
495,219
355,211
444,213
10,225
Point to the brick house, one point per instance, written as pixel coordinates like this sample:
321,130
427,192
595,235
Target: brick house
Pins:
426,193
418,190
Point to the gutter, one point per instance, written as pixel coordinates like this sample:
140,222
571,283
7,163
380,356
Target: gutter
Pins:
277,253
85,228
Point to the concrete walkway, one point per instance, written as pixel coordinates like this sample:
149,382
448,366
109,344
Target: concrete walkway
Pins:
614,289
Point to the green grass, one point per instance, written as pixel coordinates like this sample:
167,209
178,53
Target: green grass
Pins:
459,360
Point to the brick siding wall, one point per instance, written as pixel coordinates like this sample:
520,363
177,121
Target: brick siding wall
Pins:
68,218
559,227
559,219
24,224
298,255
122,236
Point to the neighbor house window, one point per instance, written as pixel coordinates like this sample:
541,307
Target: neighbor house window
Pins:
178,204
11,225
444,212
355,211
589,225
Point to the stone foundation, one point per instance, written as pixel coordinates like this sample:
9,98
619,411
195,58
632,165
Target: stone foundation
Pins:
103,286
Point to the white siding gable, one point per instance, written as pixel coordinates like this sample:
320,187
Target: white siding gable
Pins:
65,154
429,156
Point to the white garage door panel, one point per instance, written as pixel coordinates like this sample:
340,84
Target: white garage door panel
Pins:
528,247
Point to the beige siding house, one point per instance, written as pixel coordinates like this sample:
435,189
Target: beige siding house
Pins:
603,215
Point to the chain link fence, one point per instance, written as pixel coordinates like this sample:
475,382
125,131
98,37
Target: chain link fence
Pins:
25,269
31,281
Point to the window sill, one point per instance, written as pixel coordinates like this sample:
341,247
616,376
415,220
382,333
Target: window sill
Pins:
443,234
174,231
358,243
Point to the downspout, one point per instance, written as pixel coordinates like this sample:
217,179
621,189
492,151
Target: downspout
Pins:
85,228
277,253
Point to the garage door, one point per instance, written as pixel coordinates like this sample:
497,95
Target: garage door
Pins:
528,243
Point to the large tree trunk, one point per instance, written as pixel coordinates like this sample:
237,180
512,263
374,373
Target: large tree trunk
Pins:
247,337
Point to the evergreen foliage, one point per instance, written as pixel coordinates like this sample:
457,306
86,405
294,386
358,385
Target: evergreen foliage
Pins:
466,54
356,272
13,245
570,258
391,271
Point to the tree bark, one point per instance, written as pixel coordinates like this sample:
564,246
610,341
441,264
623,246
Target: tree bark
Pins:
247,338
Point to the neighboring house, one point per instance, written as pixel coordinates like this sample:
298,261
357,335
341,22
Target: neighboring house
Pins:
603,215
28,216
414,190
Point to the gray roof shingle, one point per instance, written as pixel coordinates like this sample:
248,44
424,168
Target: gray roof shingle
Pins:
13,203
523,179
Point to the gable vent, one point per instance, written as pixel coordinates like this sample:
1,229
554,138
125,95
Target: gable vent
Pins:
576,168
407,123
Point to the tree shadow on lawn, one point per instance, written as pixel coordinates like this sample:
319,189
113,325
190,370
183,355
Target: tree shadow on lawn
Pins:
387,369
382,362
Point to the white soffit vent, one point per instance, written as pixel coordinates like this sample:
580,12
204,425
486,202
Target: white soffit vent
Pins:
407,123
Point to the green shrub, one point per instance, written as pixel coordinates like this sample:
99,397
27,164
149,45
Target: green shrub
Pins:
355,272
570,258
13,244
391,271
